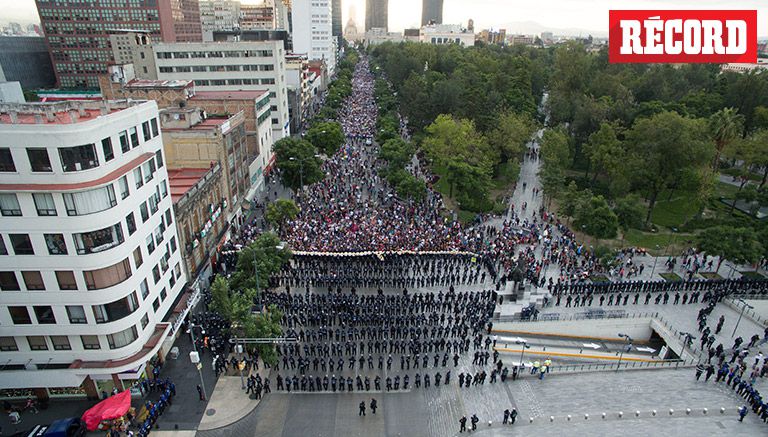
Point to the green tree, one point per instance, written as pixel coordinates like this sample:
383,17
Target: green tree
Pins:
555,148
326,136
265,325
281,211
629,212
412,188
232,305
571,199
669,149
604,151
511,134
462,155
596,218
725,126
266,255
221,299
753,154
397,152
739,245
298,162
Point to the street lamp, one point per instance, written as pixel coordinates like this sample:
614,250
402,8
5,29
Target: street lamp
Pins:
239,350
301,167
746,305
629,348
522,352
194,357
655,259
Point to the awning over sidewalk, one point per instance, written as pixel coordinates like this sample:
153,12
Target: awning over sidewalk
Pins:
110,408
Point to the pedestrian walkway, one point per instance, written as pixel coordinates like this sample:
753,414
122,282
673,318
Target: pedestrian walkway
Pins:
436,412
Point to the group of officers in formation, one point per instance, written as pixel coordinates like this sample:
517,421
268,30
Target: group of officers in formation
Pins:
386,270
348,342
743,369
636,292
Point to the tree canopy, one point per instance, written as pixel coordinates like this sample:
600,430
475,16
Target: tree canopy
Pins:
298,162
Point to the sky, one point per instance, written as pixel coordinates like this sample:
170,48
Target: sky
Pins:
589,15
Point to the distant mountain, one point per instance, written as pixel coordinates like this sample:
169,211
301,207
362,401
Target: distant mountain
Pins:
534,28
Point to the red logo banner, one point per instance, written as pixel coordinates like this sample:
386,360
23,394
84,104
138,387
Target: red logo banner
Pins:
682,36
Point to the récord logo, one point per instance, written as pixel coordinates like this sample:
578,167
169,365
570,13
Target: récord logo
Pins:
683,36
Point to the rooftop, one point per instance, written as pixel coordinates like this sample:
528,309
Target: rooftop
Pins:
148,83
229,95
184,179
66,112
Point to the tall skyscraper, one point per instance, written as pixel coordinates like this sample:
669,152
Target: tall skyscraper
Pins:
376,14
336,18
77,32
431,10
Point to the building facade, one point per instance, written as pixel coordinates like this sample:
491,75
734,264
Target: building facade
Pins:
193,139
313,31
201,213
130,47
300,95
447,34
336,23
77,31
90,263
255,106
231,66
258,16
431,12
25,59
218,15
376,14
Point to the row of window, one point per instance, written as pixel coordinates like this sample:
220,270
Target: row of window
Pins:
99,278
224,82
62,342
104,313
83,157
83,202
216,54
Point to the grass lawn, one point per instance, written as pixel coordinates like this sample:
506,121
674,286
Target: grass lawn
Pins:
673,213
649,241
671,277
752,275
599,278
710,275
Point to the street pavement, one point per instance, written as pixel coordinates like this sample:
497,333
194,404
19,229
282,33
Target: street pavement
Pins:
436,411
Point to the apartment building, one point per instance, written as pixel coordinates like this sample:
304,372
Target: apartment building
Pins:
90,264
231,66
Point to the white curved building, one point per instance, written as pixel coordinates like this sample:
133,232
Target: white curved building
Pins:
89,258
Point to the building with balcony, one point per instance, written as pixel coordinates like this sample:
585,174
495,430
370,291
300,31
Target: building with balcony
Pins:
254,104
195,139
231,66
301,96
90,262
201,213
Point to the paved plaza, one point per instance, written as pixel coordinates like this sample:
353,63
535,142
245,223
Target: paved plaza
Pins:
435,412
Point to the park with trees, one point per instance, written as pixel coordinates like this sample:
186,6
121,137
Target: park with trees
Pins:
656,156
